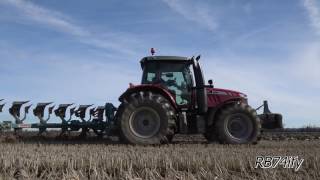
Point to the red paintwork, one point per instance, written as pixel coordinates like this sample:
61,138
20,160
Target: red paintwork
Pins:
154,87
217,96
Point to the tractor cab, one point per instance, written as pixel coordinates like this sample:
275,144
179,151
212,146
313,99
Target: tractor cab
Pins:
173,98
181,76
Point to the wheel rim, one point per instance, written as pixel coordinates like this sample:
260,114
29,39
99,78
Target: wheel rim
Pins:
144,122
239,126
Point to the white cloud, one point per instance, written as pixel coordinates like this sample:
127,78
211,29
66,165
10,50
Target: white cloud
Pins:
48,17
62,23
314,13
59,79
194,12
306,65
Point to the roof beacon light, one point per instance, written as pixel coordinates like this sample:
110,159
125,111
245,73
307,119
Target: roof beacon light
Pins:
152,51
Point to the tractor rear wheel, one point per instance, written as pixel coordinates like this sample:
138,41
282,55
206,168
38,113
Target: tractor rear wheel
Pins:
146,118
238,124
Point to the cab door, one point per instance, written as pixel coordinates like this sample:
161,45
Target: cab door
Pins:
179,81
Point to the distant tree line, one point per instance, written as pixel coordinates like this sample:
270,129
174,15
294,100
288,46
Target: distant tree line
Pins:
309,128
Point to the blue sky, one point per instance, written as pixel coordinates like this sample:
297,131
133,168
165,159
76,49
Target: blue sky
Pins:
88,51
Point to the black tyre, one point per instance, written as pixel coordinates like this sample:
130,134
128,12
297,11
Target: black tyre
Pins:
238,124
146,118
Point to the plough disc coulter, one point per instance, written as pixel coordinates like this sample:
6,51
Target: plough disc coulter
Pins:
73,118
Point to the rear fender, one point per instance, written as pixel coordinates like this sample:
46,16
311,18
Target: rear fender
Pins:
212,112
152,88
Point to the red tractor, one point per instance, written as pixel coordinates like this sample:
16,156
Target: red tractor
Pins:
173,98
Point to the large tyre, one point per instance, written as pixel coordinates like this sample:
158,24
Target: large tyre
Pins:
238,124
146,118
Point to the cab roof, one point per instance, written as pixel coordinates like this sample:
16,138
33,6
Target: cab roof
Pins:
174,59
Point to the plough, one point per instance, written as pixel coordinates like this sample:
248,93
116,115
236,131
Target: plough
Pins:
73,118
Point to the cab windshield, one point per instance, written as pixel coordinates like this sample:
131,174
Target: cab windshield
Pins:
176,77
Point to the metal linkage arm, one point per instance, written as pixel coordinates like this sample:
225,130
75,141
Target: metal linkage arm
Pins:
15,111
1,105
61,111
81,112
39,111
265,106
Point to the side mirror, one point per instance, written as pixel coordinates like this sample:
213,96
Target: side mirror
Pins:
210,82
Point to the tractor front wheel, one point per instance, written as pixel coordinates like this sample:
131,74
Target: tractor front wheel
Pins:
146,118
238,124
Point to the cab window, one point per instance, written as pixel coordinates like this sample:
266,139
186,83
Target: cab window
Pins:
176,77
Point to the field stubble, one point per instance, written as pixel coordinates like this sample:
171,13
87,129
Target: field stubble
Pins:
91,159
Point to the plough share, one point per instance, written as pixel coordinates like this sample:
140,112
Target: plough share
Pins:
73,118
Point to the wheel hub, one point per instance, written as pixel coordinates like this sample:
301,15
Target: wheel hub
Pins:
239,126
144,122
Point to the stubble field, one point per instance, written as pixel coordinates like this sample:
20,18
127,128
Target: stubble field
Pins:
186,158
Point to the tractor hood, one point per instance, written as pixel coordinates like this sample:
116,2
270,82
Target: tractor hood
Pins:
226,92
218,96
